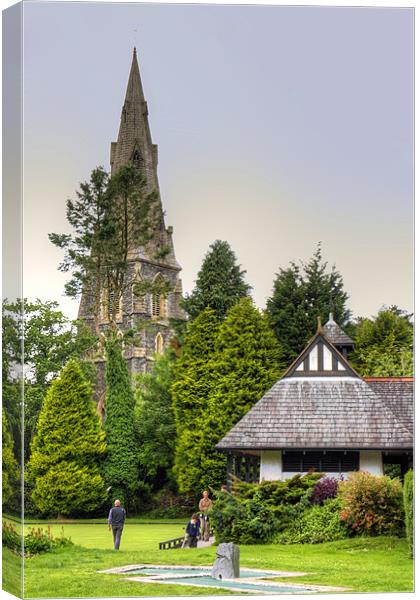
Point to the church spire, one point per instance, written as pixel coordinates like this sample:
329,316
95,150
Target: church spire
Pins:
134,144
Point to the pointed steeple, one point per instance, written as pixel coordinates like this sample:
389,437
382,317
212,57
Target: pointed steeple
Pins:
134,144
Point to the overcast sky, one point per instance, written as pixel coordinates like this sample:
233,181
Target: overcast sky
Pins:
277,127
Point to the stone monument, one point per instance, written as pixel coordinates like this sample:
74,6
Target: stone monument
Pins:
226,565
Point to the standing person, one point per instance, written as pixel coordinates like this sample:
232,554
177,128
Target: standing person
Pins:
193,531
116,520
204,506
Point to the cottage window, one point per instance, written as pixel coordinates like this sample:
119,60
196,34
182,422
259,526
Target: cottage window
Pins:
323,462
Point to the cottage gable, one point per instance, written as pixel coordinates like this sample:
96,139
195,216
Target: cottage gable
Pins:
320,358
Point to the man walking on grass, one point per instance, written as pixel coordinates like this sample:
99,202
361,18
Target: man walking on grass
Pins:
116,519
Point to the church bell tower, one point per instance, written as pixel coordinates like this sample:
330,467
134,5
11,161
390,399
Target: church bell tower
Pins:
156,260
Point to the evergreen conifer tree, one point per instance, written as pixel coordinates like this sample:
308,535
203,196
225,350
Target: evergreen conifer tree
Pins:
121,464
10,467
155,421
68,447
190,396
300,295
384,344
247,362
220,283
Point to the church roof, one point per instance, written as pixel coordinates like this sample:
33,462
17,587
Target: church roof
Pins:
335,334
320,408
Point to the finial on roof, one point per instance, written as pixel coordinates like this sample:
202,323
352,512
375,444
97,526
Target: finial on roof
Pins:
331,317
135,51
319,328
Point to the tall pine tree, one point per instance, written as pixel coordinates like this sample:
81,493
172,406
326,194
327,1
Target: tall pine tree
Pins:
67,448
190,395
247,362
121,464
300,295
220,283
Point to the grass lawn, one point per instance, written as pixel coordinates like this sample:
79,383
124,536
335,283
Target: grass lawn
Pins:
363,564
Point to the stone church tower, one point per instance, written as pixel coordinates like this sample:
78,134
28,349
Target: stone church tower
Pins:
157,259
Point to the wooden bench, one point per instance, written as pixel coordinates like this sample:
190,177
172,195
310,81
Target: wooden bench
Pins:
170,544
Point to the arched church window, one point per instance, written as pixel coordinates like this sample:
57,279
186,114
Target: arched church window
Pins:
108,306
137,159
139,300
159,343
158,300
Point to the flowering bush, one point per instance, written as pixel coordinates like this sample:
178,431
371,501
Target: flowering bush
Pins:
372,504
36,541
325,489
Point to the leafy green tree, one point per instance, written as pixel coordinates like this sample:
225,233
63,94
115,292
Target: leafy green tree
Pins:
190,395
50,341
248,360
121,464
109,217
155,421
68,448
10,467
384,344
300,295
220,283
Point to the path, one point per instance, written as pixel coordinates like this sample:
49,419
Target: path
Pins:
202,544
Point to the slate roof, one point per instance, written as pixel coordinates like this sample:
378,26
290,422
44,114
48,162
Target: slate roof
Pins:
398,394
335,334
315,413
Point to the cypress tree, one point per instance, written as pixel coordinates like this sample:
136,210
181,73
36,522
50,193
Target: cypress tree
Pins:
121,464
220,283
67,448
247,362
190,396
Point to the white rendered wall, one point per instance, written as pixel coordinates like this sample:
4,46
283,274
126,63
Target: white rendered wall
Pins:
271,466
371,461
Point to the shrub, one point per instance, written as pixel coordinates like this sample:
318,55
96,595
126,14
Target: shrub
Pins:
325,489
276,493
10,537
227,510
372,505
36,541
408,508
318,524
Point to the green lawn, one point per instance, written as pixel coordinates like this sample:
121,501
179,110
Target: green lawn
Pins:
363,564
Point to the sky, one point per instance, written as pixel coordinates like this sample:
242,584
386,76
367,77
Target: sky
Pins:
278,127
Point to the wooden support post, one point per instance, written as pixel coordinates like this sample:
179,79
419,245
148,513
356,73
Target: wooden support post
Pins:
247,469
229,470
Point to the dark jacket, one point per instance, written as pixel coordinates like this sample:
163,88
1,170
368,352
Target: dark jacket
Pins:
193,529
116,516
